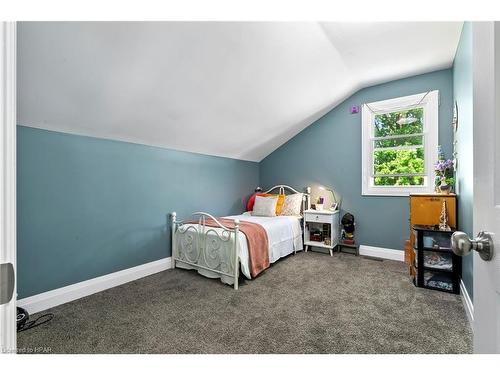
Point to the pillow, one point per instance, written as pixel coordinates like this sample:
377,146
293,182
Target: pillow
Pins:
280,203
264,206
293,205
251,201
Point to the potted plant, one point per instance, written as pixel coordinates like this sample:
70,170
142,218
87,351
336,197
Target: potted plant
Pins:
444,176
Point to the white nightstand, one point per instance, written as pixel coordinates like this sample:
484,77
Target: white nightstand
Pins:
317,219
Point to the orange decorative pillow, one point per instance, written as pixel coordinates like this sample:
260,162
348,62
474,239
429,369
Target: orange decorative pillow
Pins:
279,204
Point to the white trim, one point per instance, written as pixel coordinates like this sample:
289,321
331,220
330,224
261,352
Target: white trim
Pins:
430,103
468,306
52,298
380,252
8,175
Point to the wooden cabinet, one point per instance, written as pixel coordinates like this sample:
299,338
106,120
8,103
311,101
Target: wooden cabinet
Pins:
425,209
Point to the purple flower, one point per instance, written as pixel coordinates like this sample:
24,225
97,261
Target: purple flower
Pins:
443,166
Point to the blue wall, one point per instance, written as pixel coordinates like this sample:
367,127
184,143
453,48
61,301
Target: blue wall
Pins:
329,153
88,207
462,92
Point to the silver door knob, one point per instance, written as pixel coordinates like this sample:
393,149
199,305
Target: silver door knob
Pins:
462,245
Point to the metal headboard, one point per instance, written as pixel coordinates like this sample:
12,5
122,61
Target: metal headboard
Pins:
282,189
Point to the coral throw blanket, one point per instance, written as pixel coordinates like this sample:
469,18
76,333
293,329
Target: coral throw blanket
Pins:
258,245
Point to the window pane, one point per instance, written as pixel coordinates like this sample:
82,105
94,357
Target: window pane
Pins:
386,162
397,123
399,181
406,141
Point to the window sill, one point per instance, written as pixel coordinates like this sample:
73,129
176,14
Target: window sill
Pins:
402,192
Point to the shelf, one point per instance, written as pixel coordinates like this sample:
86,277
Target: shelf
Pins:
448,260
318,244
438,289
414,281
433,269
437,250
431,228
353,246
427,268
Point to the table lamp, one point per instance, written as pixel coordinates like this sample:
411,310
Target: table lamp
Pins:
336,202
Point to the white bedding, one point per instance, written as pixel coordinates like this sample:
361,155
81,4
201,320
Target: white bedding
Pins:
283,233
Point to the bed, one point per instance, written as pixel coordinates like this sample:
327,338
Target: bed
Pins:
218,248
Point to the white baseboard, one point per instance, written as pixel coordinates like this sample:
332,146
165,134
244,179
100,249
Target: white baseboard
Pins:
468,306
52,298
380,252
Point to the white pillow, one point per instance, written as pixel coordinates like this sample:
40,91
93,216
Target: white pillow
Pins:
293,205
264,206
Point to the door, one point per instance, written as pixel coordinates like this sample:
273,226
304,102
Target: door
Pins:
486,101
7,186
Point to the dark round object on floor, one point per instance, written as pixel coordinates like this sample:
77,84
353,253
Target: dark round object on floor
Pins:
348,220
348,223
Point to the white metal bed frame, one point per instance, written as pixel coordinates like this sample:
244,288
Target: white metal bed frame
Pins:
217,253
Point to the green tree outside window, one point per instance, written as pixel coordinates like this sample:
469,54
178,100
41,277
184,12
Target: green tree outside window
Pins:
398,148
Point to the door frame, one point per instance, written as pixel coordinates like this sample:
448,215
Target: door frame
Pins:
8,31
486,84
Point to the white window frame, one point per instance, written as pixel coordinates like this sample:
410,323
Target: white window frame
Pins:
429,101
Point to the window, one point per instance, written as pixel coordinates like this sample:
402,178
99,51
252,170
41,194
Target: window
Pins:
399,143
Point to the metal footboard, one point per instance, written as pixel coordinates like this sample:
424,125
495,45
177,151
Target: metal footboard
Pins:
209,248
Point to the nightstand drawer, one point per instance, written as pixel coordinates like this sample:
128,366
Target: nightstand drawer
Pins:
318,218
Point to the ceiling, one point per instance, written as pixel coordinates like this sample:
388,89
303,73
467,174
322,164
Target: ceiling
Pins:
233,89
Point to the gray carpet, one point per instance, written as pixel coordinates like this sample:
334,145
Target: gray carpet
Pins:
306,303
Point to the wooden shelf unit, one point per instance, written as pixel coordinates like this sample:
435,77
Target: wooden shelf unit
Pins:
438,278
425,209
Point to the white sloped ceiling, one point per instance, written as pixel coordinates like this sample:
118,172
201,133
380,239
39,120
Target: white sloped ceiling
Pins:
238,89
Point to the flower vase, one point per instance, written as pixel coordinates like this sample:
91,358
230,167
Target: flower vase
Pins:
437,184
444,188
